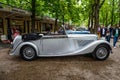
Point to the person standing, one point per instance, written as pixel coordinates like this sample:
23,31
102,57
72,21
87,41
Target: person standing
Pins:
108,35
99,32
17,32
103,32
111,31
116,34
9,35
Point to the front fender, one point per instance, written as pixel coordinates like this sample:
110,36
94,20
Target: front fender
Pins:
92,46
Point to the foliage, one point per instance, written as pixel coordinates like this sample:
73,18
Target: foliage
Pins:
75,12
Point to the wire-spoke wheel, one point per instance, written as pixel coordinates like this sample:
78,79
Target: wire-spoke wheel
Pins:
101,52
28,53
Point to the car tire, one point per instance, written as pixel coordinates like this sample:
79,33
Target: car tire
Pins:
28,53
101,52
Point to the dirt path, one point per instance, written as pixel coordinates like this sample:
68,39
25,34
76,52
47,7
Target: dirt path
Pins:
60,68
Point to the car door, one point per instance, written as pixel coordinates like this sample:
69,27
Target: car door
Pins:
55,46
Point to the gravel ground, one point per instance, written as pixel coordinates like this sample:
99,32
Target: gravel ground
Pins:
60,68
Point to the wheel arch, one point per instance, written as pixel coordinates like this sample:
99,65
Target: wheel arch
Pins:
29,44
105,44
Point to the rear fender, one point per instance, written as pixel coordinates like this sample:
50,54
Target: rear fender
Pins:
27,44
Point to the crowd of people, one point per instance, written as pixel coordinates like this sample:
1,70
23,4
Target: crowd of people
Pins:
108,33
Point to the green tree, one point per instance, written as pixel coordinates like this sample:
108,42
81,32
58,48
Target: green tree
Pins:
78,12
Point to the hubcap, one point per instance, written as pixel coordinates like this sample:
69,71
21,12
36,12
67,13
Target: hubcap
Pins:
28,52
101,53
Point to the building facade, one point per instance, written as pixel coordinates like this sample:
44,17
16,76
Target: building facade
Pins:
12,17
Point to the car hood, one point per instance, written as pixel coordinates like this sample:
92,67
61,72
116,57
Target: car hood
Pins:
84,36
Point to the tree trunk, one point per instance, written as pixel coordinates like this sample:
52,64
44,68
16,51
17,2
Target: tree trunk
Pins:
33,15
96,14
112,13
106,18
63,20
92,17
119,12
103,18
89,21
56,23
96,19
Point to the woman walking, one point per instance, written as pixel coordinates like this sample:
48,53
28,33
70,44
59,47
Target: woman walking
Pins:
116,34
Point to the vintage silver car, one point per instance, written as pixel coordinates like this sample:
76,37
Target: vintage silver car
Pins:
31,46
